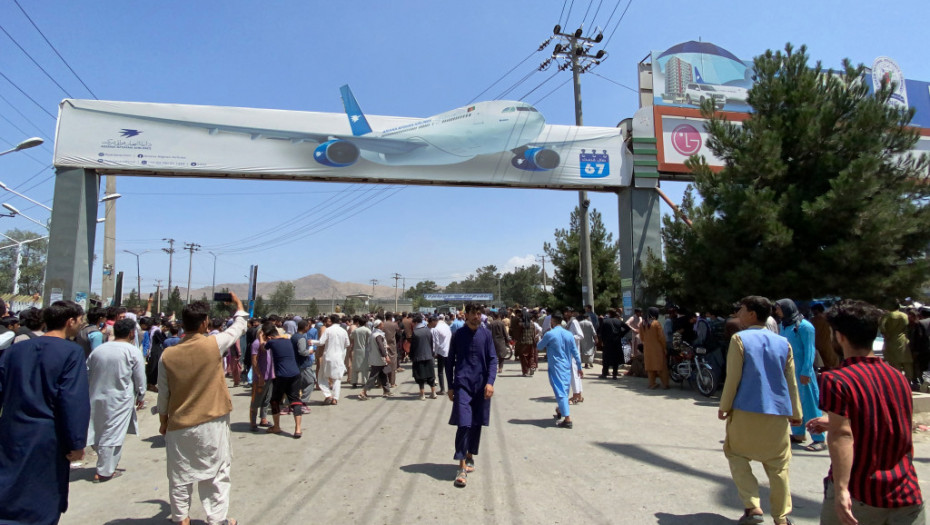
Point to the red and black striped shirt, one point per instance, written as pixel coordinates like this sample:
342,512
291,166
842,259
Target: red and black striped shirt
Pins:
877,400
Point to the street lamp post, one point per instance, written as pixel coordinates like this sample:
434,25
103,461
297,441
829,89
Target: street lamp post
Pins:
14,211
19,259
11,190
213,288
138,275
26,144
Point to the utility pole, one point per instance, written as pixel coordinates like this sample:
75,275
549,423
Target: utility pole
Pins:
373,283
191,247
157,296
543,259
107,284
170,251
403,289
396,277
577,48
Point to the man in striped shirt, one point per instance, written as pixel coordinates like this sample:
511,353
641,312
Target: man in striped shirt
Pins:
868,403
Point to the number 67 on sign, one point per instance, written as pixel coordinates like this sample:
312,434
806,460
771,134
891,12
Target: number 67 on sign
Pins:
594,165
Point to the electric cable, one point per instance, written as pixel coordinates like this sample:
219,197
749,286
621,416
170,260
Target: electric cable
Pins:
34,61
47,112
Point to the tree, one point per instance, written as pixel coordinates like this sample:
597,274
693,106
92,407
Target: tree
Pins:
818,196
565,256
32,264
352,306
282,297
175,304
313,309
260,309
133,301
416,293
523,285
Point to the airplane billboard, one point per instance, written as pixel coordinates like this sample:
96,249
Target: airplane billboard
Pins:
493,143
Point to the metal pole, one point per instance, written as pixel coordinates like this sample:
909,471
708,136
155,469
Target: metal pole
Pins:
587,275
19,262
191,247
157,295
213,287
170,251
396,277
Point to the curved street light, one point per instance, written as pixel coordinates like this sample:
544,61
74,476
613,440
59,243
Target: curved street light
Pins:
26,144
14,211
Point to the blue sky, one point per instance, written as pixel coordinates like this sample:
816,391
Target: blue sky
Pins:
401,58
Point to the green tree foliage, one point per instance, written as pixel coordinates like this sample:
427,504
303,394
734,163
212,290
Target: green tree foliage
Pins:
32,264
313,309
415,293
523,286
818,196
133,301
352,306
260,309
565,254
175,303
282,297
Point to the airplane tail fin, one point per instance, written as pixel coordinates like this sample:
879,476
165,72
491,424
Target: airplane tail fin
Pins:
356,118
697,76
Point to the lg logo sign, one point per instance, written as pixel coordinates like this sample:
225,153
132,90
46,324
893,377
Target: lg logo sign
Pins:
686,139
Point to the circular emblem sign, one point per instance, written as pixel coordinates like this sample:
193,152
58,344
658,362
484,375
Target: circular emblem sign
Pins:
686,139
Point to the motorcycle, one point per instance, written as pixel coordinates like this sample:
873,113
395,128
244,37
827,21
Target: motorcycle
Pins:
691,363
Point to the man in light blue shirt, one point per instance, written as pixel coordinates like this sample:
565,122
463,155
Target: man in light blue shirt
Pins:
561,350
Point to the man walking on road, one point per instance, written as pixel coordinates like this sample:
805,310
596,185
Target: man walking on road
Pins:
442,336
116,373
869,408
471,370
334,342
44,412
561,353
194,407
758,411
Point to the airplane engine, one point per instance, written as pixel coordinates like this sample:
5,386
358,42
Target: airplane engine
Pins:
536,159
336,153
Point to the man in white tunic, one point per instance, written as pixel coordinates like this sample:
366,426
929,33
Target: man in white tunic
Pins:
334,342
575,328
116,374
194,407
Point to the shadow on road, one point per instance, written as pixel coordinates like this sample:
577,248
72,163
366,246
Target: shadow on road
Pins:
438,471
541,423
804,507
163,514
701,518
157,441
545,399
82,474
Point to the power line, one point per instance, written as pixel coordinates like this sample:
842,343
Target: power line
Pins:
38,128
560,86
613,81
627,8
586,11
47,112
55,50
34,61
596,11
541,84
19,129
505,74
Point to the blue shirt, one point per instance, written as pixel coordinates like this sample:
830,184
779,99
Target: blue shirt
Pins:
284,357
763,388
458,323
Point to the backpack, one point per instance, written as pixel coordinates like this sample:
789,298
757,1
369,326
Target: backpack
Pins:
83,339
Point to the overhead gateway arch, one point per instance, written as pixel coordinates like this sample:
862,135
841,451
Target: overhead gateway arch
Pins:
487,144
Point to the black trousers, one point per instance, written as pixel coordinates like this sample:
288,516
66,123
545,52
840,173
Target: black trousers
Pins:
375,374
441,372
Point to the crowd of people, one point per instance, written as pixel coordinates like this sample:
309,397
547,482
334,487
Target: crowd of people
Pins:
70,380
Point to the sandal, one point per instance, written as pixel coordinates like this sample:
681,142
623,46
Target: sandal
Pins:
469,464
273,431
298,435
461,479
362,396
816,446
558,414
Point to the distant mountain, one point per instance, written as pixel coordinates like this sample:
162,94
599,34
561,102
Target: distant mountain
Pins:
316,286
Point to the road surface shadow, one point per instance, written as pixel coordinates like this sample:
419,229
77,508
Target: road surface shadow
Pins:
701,518
82,474
541,423
163,515
544,399
437,471
157,441
803,507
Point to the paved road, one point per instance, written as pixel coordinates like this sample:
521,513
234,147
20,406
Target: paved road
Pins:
634,457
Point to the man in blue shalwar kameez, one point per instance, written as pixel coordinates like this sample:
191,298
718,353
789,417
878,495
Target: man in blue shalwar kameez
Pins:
44,415
800,334
561,350
471,369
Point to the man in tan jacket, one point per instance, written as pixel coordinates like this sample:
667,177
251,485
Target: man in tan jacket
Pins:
194,407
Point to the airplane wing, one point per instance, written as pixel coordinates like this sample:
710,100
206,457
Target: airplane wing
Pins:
368,143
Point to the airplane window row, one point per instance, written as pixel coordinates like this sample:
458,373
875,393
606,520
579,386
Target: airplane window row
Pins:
511,109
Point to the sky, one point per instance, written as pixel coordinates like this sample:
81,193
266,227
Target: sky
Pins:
402,58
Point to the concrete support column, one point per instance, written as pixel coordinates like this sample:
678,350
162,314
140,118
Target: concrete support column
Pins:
640,231
71,236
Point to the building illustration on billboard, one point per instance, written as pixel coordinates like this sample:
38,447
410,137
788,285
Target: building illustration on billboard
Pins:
677,77
693,72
